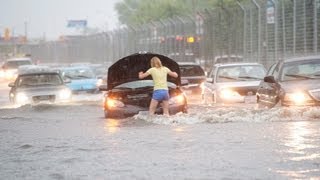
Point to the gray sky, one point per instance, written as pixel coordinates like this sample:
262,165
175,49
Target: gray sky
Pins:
50,17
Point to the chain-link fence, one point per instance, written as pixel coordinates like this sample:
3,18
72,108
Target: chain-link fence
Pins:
257,31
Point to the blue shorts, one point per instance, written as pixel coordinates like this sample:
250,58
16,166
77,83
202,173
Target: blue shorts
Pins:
160,95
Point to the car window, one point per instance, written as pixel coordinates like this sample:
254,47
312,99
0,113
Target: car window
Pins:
191,70
271,69
81,73
140,84
301,70
275,71
240,73
16,64
39,79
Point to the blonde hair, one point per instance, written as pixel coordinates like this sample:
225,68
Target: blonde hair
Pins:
155,62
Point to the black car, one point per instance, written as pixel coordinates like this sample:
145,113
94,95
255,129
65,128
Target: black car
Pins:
127,95
292,82
195,77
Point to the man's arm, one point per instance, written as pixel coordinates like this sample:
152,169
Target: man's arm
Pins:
143,75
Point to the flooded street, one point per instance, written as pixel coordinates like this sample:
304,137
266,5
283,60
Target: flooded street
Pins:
75,141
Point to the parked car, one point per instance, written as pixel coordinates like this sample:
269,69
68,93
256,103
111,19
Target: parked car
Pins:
195,77
38,84
128,95
10,67
82,79
291,82
233,83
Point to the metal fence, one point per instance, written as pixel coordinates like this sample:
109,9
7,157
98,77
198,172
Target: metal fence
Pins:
257,30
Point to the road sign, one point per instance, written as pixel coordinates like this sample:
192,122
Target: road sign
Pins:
77,23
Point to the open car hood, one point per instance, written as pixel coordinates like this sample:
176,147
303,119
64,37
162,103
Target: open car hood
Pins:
128,68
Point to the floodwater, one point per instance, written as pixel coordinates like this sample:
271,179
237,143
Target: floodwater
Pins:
75,141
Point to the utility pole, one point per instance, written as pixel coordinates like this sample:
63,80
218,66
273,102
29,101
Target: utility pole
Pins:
26,30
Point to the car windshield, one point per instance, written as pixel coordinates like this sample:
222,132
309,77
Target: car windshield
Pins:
16,64
39,79
81,73
191,70
240,73
140,84
301,70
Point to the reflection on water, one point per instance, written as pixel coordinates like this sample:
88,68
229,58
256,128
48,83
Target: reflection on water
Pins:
299,141
302,142
112,125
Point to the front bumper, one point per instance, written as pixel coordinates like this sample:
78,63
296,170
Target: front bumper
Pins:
131,110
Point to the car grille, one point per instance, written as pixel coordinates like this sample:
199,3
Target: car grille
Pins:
43,98
142,100
315,94
244,91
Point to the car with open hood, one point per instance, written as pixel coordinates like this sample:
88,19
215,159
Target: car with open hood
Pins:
36,84
234,83
127,95
291,82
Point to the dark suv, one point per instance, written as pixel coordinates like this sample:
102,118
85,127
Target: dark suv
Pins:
194,75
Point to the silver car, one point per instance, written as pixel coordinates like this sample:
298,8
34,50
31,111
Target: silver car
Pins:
38,84
234,83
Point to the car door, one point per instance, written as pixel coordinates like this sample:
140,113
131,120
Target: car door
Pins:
265,88
272,88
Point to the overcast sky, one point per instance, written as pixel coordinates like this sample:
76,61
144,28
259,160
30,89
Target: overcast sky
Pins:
49,17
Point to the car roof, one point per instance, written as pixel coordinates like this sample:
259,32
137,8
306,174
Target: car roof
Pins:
19,59
238,64
34,69
188,63
304,58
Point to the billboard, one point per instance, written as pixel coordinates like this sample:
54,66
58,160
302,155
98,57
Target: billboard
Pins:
77,24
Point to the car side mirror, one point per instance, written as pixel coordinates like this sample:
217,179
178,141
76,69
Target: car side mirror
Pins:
184,82
210,80
103,87
11,84
269,79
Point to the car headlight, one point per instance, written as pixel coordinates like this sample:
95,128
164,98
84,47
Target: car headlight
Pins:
179,99
21,98
112,103
228,94
297,97
99,82
10,74
202,86
1,74
65,94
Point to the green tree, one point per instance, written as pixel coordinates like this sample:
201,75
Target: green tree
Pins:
136,12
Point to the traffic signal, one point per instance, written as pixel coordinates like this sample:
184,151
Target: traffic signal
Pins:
190,39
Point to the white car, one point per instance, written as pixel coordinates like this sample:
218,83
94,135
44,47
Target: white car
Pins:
234,83
10,67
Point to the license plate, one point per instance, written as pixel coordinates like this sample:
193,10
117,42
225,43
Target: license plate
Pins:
43,97
250,99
